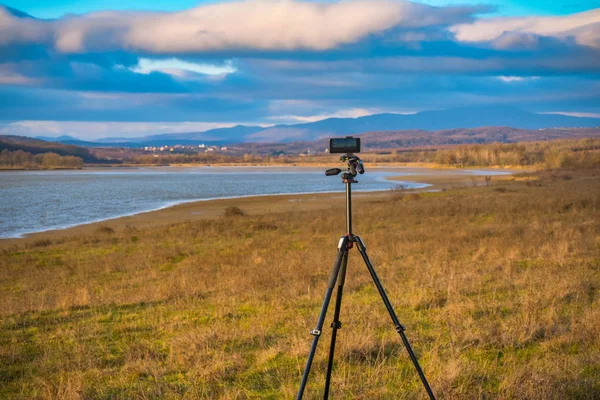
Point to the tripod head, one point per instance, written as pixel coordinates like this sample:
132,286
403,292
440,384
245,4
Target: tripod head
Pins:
354,166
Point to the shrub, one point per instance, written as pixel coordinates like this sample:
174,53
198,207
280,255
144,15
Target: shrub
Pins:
398,191
105,229
233,212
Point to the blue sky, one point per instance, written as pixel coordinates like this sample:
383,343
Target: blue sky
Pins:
112,68
57,8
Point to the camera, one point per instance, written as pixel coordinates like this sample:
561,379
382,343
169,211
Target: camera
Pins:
346,145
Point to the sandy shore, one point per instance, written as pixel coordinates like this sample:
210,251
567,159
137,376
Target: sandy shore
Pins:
439,179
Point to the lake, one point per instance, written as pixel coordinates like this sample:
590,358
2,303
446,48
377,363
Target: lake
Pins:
35,201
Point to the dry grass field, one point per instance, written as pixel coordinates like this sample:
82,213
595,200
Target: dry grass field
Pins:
498,287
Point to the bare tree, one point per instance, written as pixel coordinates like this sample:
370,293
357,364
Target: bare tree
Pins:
399,190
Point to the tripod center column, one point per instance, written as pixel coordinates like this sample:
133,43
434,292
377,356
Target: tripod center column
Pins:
349,208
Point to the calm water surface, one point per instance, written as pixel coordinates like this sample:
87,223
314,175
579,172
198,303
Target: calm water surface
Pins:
34,201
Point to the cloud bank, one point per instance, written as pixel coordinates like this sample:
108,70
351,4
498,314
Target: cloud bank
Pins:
252,24
264,61
278,25
583,28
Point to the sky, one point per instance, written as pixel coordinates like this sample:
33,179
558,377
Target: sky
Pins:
94,69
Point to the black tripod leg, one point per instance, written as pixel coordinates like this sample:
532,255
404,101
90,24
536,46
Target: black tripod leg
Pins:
399,328
342,250
336,324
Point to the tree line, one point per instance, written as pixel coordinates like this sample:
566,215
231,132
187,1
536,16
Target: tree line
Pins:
23,160
34,146
549,154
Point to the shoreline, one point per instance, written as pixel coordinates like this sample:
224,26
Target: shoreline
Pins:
185,202
192,210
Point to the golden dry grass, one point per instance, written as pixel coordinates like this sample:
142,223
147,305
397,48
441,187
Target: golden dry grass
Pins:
498,287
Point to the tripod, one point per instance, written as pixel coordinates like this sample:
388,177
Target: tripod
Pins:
338,274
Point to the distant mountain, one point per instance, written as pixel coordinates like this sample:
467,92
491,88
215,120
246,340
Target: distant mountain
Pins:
404,139
223,135
65,139
234,134
371,141
456,118
58,139
467,117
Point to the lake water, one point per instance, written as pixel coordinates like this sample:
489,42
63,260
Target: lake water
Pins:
35,201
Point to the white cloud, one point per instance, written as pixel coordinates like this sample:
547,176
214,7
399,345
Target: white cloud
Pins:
176,67
575,114
11,78
22,30
509,79
251,24
350,113
510,32
96,130
346,113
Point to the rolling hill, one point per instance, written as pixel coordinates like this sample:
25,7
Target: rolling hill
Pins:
36,146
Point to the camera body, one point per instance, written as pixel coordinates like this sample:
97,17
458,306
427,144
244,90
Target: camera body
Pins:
348,145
